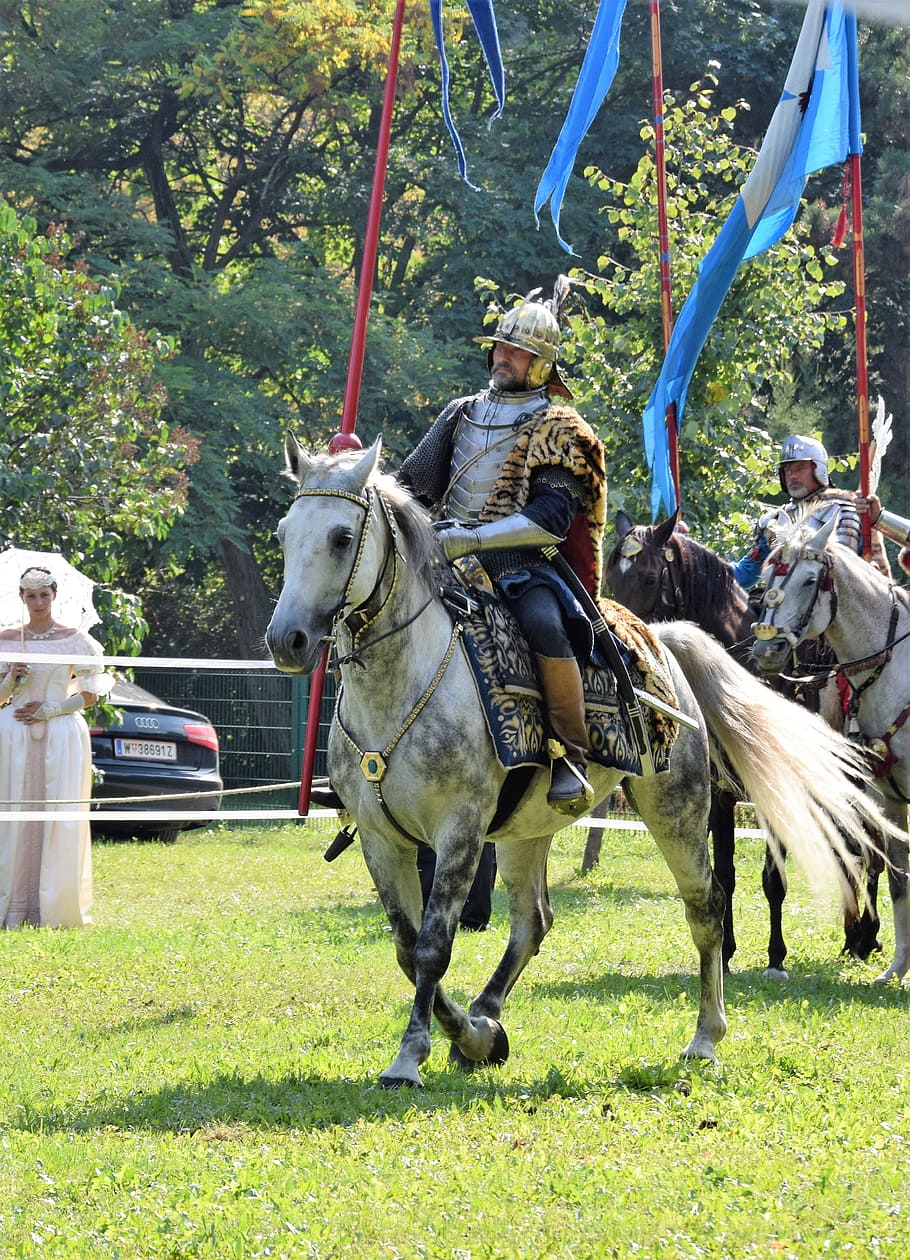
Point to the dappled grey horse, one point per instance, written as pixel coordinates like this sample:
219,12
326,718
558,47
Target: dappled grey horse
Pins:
814,586
411,757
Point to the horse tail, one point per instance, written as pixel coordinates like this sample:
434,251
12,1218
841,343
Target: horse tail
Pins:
808,784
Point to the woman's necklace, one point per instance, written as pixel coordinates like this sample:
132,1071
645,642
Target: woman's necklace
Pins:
43,634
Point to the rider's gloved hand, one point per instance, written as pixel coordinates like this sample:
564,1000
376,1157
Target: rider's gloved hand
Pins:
455,539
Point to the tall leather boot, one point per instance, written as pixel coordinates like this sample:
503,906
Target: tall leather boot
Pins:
560,677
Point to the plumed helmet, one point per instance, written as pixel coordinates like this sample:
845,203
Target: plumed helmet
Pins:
797,448
533,325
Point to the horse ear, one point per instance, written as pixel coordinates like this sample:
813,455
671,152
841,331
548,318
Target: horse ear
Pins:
664,531
823,536
367,464
296,460
624,524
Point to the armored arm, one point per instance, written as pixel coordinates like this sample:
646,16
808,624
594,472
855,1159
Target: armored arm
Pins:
515,532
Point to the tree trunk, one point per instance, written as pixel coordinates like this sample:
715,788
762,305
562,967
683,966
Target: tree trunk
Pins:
251,604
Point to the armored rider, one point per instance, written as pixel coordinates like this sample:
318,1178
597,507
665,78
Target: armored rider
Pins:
804,476
506,472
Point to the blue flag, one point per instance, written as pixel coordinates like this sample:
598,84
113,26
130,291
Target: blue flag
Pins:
595,77
816,124
485,25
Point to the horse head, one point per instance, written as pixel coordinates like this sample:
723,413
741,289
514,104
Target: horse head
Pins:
799,601
331,553
636,569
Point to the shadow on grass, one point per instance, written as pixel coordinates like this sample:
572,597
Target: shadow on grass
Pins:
234,1106
824,988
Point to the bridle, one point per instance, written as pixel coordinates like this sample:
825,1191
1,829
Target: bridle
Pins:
766,630
359,617
669,591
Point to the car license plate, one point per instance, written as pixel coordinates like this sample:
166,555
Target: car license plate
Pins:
145,749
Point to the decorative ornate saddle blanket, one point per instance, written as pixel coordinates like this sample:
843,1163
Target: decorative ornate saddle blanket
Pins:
512,700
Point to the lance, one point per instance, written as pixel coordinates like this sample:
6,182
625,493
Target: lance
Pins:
663,230
859,280
346,438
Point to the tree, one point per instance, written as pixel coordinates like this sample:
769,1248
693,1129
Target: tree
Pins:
777,303
87,465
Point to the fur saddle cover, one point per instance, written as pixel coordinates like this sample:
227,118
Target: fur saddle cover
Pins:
512,700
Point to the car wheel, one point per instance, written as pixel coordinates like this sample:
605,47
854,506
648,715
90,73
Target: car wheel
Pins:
168,835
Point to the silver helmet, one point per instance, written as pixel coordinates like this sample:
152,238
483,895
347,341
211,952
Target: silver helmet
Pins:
796,448
534,326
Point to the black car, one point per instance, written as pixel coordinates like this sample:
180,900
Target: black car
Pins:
154,749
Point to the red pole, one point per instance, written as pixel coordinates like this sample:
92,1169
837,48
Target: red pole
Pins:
862,378
663,229
346,439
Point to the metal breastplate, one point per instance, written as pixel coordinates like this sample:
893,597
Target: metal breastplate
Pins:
817,511
483,441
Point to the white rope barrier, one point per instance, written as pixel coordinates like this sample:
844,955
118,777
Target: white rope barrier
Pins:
142,662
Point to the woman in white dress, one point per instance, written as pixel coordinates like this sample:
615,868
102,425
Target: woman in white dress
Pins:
45,756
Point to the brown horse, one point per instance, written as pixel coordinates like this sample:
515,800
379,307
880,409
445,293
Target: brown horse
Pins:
663,575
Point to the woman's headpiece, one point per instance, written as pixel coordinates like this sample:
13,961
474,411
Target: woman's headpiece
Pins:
35,577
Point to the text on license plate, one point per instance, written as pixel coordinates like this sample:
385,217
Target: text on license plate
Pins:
145,749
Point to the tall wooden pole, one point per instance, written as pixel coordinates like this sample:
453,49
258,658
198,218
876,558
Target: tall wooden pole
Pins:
862,376
346,439
663,230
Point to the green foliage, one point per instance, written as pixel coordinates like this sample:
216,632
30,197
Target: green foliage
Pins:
86,461
779,303
212,161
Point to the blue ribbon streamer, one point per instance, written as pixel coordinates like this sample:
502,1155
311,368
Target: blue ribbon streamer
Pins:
485,24
594,80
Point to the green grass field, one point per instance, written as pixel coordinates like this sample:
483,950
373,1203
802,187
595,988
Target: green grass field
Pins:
196,1075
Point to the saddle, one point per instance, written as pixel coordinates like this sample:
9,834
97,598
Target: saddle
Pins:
512,700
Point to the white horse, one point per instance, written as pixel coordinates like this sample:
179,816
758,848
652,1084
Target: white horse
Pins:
411,757
817,586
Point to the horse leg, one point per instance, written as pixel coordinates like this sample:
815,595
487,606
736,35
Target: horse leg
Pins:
424,948
774,884
522,866
676,820
861,928
721,822
897,885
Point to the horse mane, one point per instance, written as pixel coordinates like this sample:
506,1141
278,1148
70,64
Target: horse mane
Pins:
708,580
413,521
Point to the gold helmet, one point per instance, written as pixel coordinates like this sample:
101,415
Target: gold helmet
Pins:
534,326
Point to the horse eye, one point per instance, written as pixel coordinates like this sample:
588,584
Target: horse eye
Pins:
341,538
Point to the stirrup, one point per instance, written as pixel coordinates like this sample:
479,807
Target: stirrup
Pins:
570,792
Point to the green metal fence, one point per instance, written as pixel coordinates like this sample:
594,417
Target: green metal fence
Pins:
260,717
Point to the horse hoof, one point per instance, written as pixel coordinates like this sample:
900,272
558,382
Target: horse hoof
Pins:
775,973
400,1082
496,1058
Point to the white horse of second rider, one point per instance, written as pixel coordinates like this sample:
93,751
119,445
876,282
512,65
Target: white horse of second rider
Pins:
816,586
411,757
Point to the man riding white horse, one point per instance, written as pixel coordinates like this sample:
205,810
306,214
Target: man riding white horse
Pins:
803,473
509,471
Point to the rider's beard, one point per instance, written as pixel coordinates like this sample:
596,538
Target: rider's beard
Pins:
506,379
